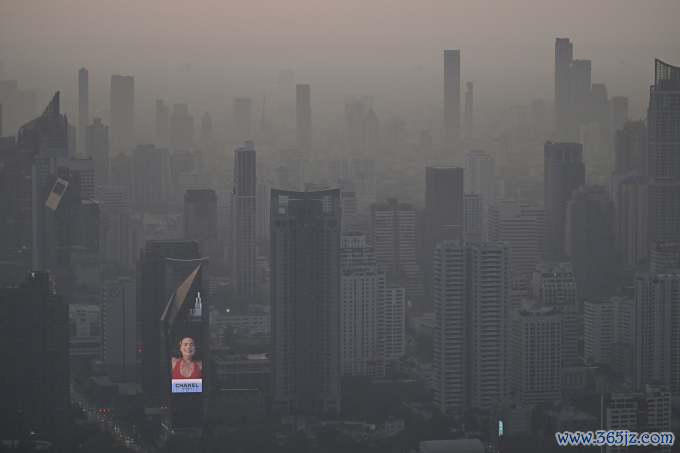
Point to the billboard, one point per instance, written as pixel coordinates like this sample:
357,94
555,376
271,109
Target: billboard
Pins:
187,363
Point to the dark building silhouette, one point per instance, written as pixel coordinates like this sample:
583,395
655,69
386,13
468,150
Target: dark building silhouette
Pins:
162,121
206,133
600,110
181,127
35,389
371,134
590,242
563,173
83,107
303,118
469,105
663,151
451,101
120,174
305,302
243,218
581,86
122,113
200,220
444,191
154,289
97,147
564,52
619,112
631,147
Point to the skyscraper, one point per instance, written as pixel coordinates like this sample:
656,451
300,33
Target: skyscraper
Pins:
444,189
243,118
83,107
303,118
451,101
473,218
122,113
631,222
120,174
563,173
181,128
619,112
564,52
305,301
200,221
362,174
162,121
663,150
471,297
150,176
119,322
469,119
243,216
630,148
97,147
581,86
480,176
35,330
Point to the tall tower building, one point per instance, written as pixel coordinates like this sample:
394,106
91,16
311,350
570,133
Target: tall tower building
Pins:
444,189
471,296
150,176
473,218
469,119
162,121
119,332
116,238
35,389
393,235
631,222
581,85
657,336
303,118
181,128
122,113
83,106
243,216
619,112
563,173
590,242
120,174
243,118
630,148
362,174
451,101
305,302
663,170
564,53
200,220
97,147
522,227
480,176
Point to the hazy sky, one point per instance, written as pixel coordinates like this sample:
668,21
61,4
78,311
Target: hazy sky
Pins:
349,46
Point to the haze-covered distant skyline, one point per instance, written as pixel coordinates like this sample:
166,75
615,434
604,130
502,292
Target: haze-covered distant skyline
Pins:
391,50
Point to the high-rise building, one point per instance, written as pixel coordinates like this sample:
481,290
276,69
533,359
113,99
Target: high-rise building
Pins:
243,216
647,411
181,127
657,336
619,112
663,170
393,236
120,174
580,97
119,328
538,115
392,322
264,194
469,118
161,269
85,333
362,174
563,173
35,389
471,294
607,322
243,118
355,112
371,134
630,148
564,53
664,257
97,147
162,121
116,238
600,112
305,302
473,218
200,220
83,107
150,176
362,287
555,287
590,242
85,169
207,140
631,222
444,189
122,113
303,118
535,354
522,227
480,176
451,101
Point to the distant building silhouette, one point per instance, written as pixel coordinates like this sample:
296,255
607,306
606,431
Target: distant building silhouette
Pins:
83,107
35,390
243,216
663,151
121,171
303,118
97,147
480,176
564,52
181,128
631,222
162,121
581,85
469,113
305,302
150,176
563,173
200,220
122,113
451,101
119,329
